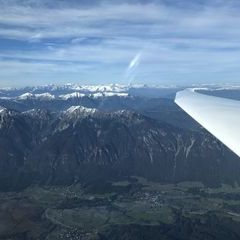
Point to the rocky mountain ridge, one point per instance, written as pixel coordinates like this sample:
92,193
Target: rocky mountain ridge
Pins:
88,145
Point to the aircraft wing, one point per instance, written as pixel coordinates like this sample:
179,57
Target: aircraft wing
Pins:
220,116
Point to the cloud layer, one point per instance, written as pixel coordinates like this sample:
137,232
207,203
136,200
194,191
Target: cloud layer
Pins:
180,42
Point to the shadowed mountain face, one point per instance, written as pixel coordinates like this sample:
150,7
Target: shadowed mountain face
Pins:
87,145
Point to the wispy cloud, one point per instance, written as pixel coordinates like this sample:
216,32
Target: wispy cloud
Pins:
99,40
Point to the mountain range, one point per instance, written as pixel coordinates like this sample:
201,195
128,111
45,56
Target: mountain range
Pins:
59,143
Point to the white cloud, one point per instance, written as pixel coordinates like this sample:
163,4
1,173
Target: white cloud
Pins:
171,39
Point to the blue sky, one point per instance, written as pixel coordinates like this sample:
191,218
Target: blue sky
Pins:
97,42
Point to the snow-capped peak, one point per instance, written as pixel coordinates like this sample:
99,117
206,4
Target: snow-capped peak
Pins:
99,88
4,114
26,96
72,95
2,109
42,96
109,94
81,109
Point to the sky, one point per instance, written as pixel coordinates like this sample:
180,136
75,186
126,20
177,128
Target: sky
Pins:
164,42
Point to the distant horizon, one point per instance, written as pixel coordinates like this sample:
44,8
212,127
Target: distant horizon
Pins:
143,85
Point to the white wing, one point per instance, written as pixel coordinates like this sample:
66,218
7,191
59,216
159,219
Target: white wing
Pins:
220,116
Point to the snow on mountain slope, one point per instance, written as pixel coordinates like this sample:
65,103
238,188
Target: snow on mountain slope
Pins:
109,94
4,116
72,95
25,96
101,88
2,110
98,94
80,110
70,91
119,94
44,96
41,96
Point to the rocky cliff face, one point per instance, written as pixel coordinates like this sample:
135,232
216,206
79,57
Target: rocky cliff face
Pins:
88,145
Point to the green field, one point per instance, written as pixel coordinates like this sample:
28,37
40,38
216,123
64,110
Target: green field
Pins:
74,211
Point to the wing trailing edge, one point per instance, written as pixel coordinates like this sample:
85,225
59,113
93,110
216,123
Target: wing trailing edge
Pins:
220,116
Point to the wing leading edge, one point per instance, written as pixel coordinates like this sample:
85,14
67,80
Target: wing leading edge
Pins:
220,116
